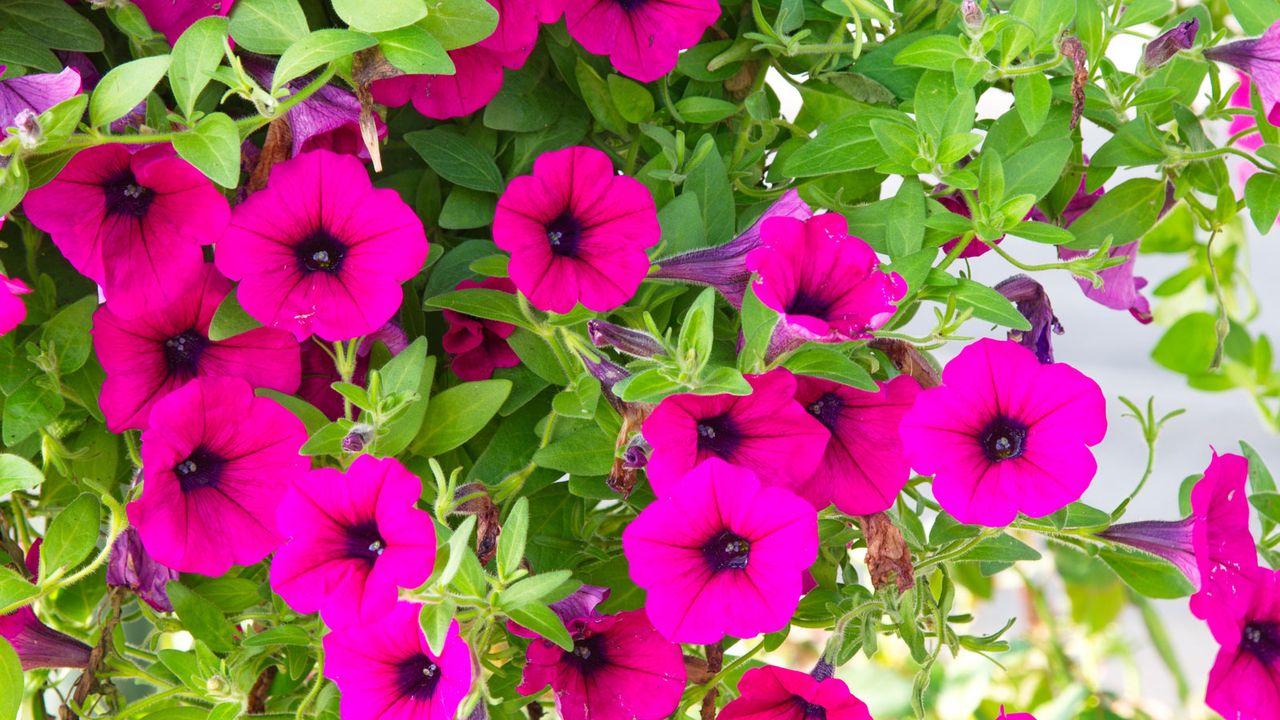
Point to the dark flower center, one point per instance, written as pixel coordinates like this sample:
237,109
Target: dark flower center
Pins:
827,409
718,435
727,551
1003,439
810,711
364,542
805,303
631,5
417,677
563,233
321,252
1262,640
182,352
124,196
202,468
588,654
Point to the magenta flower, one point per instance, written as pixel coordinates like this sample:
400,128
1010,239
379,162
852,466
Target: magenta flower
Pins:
320,250
131,567
724,267
37,644
827,286
720,554
12,310
517,32
767,432
327,120
1258,57
1005,434
1014,716
576,231
642,39
172,17
131,222
477,78
1244,683
149,356
36,93
864,467
217,462
319,372
476,346
1241,99
774,693
620,668
1033,302
354,539
385,670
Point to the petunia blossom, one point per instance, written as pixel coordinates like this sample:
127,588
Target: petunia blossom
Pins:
38,645
329,119
1013,716
216,463
477,78
576,231
827,286
172,17
767,431
642,39
1168,44
1241,98
1033,302
37,93
721,555
1244,682
320,250
863,468
131,567
517,32
724,267
1121,289
1258,57
1005,434
12,309
385,670
477,346
355,537
133,222
147,357
774,693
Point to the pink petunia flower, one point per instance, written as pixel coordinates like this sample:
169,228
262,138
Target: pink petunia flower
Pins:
476,346
864,467
643,38
620,668
827,286
1005,434
721,554
1013,716
476,80
131,567
386,671
12,310
327,120
1244,683
1258,57
774,693
724,267
149,356
354,539
38,645
36,93
171,17
767,432
217,462
1239,123
320,250
319,372
576,231
517,32
131,222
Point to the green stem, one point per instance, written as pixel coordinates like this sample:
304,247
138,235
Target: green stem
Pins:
314,692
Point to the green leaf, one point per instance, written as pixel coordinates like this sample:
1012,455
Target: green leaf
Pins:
585,451
60,121
67,334
309,414
543,620
213,146
53,23
459,23
511,542
633,101
595,93
1260,478
14,588
532,589
709,181
319,48
1255,16
1147,574
380,15
230,320
282,635
483,303
459,547
19,48
1262,195
989,305
1135,144
416,51
268,27
935,52
200,617
704,110
905,235
831,365
465,209
121,89
991,186
840,147
457,414
415,372
457,159
1189,345
10,681
1035,169
1001,548
758,321
1124,213
1031,98
1041,233
195,56
1267,504
71,536
435,619
17,473
29,408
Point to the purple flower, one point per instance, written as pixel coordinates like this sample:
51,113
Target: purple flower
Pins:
1169,539
1033,303
1169,43
131,567
328,120
1259,57
632,342
37,644
36,93
724,267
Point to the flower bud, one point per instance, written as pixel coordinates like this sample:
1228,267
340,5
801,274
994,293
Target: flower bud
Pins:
30,133
1033,302
973,15
131,567
1169,43
357,437
632,342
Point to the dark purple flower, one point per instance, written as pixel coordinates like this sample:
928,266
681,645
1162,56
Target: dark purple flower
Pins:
131,567
724,267
36,93
609,374
1168,539
1259,57
1033,302
636,343
1171,42
328,120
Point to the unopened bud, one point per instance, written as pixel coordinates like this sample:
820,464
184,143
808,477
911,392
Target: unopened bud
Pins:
357,437
1162,49
973,15
29,130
